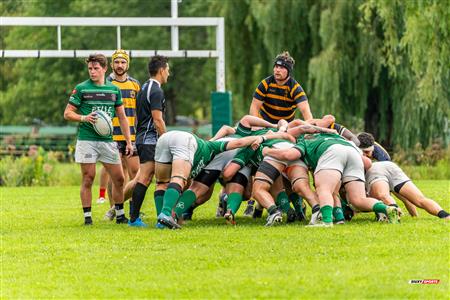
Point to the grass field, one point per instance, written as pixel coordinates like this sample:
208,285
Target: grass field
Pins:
47,253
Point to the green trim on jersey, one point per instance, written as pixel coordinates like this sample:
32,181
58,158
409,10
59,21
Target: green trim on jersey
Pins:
255,157
206,150
245,131
312,146
88,97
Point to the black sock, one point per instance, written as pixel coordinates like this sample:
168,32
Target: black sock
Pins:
137,199
119,211
443,214
272,209
315,208
87,212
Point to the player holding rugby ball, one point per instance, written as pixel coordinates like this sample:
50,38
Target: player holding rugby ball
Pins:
88,97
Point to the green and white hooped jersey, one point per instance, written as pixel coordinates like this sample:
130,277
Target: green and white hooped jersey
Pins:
206,150
88,97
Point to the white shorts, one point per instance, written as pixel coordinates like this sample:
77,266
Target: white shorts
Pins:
386,171
89,152
344,159
175,145
286,163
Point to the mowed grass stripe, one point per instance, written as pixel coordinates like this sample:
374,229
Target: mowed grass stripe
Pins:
47,253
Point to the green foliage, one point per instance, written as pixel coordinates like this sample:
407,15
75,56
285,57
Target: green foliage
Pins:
47,253
35,169
381,66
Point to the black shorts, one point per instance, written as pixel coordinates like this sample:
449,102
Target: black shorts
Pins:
122,146
146,153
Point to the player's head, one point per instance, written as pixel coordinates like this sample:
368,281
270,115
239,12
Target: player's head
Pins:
97,66
283,66
120,62
158,67
366,143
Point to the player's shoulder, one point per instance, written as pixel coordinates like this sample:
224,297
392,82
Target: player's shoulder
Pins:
83,85
134,81
292,82
269,79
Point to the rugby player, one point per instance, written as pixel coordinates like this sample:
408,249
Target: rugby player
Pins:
87,97
181,155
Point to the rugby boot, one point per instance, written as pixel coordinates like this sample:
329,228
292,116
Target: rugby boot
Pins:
276,217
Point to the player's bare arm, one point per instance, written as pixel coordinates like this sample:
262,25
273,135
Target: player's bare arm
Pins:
305,110
70,114
158,120
282,154
255,107
224,131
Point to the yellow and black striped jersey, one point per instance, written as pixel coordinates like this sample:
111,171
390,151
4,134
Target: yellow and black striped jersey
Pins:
279,101
129,89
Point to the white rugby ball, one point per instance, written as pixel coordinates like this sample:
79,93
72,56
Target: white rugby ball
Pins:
103,125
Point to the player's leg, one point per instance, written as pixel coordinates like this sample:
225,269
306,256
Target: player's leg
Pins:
189,197
110,158
299,177
326,182
411,208
86,154
264,178
412,193
87,179
380,190
117,178
235,190
178,179
104,178
338,213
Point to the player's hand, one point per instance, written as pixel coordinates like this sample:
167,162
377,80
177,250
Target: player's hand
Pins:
91,118
129,150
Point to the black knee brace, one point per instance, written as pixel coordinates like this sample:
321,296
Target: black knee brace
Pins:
207,177
176,186
240,179
269,170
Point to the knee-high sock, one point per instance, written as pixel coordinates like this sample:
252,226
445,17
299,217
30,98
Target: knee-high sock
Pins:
185,202
170,199
327,213
234,202
297,201
283,202
379,207
159,199
338,214
137,200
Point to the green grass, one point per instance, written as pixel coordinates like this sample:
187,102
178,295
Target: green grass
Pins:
47,253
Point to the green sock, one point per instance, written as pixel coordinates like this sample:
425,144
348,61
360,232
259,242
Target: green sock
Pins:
379,207
296,201
170,199
283,202
327,213
338,214
186,200
159,199
234,202
272,209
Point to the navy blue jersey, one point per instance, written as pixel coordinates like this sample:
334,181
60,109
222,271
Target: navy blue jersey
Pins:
150,97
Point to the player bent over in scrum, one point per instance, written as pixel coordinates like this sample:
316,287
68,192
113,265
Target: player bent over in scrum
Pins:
180,156
385,177
335,160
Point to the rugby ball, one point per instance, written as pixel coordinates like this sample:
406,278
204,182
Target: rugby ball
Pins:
103,125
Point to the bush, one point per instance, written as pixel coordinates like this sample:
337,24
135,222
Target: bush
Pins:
34,169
